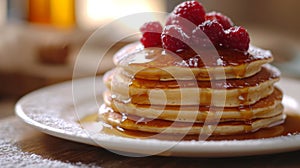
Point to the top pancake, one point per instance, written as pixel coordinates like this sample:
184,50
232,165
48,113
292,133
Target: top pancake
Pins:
157,64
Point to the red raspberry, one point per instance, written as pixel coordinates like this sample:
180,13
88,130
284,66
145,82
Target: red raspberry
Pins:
173,38
191,10
151,27
174,20
186,25
236,38
219,17
151,34
213,30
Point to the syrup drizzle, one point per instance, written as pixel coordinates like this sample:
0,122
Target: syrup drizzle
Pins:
267,73
291,126
156,58
188,58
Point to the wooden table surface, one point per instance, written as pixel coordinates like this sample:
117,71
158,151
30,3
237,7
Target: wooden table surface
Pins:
21,146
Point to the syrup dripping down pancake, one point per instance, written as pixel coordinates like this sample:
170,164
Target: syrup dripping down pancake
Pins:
220,93
131,122
264,108
157,64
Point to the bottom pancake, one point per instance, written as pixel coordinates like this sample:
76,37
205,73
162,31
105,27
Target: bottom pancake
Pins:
132,122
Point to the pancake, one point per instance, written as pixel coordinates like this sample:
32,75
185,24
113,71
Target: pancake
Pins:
157,64
264,108
220,93
130,122
192,81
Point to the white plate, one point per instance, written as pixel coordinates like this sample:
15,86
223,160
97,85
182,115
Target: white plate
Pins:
55,110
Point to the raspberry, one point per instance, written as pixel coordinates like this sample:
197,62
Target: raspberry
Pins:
213,30
186,25
151,27
151,40
173,38
219,17
151,34
236,38
191,10
174,20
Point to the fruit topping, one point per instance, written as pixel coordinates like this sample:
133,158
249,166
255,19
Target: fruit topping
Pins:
236,38
191,10
212,29
219,17
188,24
173,38
151,34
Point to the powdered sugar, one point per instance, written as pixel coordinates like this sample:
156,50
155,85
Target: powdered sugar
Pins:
11,155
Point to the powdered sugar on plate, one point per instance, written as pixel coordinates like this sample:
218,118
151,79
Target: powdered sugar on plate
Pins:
11,155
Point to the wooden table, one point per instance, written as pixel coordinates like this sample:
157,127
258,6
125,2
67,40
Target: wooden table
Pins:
22,146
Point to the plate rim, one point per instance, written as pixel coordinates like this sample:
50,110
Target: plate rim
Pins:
193,148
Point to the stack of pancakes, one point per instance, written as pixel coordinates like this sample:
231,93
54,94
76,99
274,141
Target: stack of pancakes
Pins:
224,93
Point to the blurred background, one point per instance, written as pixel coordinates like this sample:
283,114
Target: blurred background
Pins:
40,39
